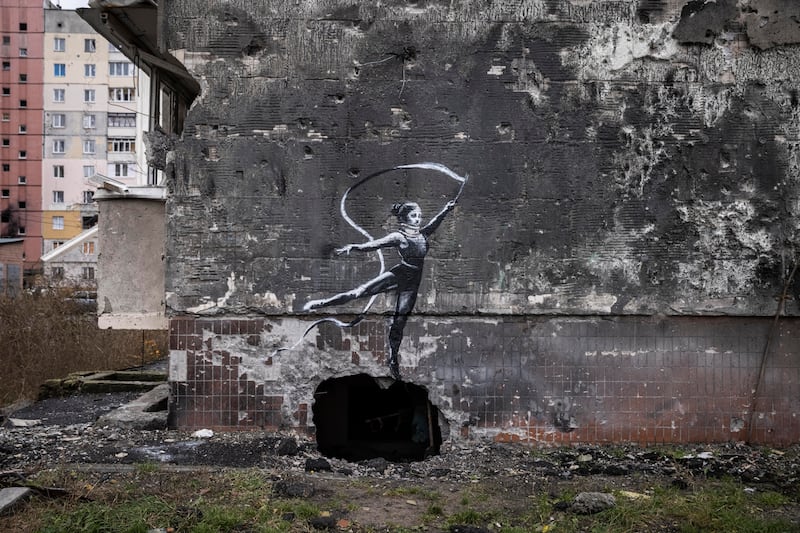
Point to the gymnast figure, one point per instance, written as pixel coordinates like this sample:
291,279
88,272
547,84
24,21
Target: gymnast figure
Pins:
411,242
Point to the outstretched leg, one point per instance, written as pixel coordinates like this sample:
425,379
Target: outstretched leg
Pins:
382,283
405,304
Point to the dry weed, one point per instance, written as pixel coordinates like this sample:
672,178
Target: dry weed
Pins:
48,335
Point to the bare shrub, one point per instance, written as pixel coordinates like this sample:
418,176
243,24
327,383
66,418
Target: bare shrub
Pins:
48,335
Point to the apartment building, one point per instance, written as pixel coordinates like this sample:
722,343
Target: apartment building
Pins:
21,111
92,123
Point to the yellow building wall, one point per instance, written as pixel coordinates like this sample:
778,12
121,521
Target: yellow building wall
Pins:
72,225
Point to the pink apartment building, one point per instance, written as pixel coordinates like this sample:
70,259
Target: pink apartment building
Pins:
21,111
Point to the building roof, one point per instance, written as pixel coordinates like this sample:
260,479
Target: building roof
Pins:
67,246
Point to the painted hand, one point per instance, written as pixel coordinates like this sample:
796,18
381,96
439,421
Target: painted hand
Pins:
344,250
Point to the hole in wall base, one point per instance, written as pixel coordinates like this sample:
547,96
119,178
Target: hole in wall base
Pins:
359,418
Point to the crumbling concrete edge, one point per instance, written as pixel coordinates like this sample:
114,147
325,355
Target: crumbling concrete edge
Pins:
147,412
10,497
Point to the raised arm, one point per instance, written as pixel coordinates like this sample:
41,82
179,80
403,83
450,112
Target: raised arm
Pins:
394,239
431,226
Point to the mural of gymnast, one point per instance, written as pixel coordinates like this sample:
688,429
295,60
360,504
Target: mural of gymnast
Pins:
411,243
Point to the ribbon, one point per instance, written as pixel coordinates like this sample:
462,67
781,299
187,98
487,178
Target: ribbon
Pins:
343,211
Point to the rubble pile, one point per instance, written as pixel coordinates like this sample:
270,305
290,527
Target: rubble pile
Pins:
33,447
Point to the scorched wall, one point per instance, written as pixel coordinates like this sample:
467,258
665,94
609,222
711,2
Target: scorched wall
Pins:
625,231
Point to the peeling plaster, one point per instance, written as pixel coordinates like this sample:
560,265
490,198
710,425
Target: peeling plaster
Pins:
220,302
613,48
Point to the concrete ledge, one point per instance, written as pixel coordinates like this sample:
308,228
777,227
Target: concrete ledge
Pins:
109,381
148,321
147,412
11,496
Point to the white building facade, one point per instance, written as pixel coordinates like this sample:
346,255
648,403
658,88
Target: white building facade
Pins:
93,123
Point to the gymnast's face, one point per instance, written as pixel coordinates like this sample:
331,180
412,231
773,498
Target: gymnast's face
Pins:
414,217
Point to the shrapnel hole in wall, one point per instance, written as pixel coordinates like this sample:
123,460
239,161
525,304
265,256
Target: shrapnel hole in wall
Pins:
359,417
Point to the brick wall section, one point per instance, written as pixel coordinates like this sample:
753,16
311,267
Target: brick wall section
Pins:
551,380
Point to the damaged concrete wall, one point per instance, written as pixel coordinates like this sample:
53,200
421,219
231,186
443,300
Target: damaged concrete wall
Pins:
625,159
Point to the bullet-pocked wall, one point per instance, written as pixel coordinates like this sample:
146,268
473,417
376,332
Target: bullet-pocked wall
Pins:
604,224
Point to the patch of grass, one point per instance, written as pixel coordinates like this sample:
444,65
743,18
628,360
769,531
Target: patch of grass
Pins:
136,516
223,518
301,509
240,500
434,510
147,467
470,517
248,480
770,499
720,506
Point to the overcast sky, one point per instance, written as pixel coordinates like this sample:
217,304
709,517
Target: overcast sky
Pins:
71,4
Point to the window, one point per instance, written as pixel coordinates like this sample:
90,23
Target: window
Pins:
58,146
6,143
23,129
6,117
58,222
88,95
6,91
6,167
58,171
58,95
22,204
59,44
112,48
23,103
120,68
88,222
5,193
88,146
5,216
23,26
58,197
22,180
89,70
120,170
88,247
88,197
122,145
6,65
23,154
21,230
56,272
23,52
58,120
89,121
88,171
6,39
121,120
89,45
59,70
121,94
56,244
88,273
23,78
